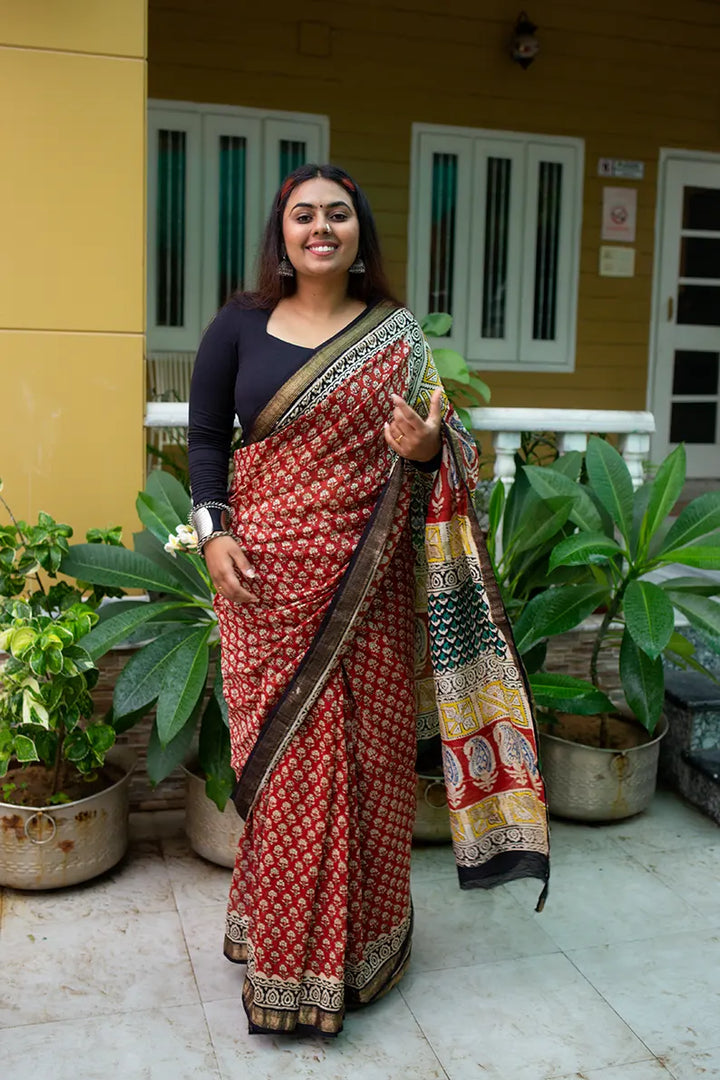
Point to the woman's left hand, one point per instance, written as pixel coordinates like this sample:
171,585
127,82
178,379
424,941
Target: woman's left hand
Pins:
409,435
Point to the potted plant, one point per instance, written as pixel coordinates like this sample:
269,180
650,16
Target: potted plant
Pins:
576,539
63,786
175,668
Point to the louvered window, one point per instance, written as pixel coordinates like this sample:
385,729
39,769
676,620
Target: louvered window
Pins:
212,173
494,241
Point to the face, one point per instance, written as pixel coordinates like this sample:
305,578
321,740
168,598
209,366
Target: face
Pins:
320,228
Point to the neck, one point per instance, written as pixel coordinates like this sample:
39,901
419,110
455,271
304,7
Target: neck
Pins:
321,298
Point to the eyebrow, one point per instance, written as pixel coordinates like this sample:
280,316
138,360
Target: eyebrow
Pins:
314,206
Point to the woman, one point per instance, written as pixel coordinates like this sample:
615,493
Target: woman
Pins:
355,605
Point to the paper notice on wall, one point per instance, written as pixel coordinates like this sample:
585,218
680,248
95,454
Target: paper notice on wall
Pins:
619,214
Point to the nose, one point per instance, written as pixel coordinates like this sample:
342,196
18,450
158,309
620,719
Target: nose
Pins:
322,226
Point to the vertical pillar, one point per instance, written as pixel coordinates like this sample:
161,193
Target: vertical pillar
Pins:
72,265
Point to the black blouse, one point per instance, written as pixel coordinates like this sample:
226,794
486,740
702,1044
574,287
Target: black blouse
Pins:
238,369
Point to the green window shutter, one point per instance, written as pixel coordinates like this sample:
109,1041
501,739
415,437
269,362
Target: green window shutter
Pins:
170,228
232,183
442,232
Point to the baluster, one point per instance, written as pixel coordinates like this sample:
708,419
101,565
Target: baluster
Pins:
635,449
505,443
571,440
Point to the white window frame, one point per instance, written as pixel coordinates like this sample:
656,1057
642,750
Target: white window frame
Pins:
517,351
203,124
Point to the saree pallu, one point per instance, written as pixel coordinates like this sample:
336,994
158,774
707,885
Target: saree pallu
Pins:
368,575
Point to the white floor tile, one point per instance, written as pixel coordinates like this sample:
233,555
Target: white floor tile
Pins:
639,1070
67,969
194,880
518,1020
577,841
382,1042
204,929
701,1065
666,989
155,1044
434,860
693,874
598,902
140,883
455,927
669,824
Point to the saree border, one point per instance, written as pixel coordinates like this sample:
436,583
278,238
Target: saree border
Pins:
305,376
314,669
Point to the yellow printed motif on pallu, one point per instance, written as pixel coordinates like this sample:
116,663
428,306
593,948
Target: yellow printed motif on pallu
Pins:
451,539
506,809
458,718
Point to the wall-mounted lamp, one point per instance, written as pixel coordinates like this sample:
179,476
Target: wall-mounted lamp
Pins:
525,46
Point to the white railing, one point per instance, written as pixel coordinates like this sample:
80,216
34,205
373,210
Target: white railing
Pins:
571,426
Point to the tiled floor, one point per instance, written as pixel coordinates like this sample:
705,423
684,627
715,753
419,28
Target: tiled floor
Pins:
618,979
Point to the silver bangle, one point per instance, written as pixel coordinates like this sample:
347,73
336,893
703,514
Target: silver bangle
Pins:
211,536
201,520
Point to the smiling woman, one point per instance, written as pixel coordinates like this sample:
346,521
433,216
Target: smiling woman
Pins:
339,614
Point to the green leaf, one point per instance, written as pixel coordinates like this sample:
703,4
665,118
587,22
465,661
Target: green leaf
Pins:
184,567
218,692
139,682
464,417
112,631
76,747
480,387
641,498
556,611
563,693
101,737
436,324
547,482
700,517
451,365
649,616
162,760
150,512
700,611
585,547
611,481
101,564
534,658
495,509
25,749
665,490
214,755
544,521
183,683
643,681
704,558
568,464
701,586
168,492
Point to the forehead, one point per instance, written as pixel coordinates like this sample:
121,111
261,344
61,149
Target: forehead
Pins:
318,191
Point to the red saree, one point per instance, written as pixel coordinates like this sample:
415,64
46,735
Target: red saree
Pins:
319,680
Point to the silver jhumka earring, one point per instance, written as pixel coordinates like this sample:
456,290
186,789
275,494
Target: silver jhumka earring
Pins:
285,267
358,267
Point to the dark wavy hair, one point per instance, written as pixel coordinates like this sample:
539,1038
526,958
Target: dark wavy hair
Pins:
271,287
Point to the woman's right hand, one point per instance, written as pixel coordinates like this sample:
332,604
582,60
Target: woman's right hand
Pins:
228,565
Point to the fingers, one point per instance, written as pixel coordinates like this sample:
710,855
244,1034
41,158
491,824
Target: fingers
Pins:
229,569
404,416
393,442
436,408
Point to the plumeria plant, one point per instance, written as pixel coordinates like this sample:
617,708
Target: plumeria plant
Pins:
462,386
47,675
176,633
577,539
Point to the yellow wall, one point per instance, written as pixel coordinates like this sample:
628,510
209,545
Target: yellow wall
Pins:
628,76
72,264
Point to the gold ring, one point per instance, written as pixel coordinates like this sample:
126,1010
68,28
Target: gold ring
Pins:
399,437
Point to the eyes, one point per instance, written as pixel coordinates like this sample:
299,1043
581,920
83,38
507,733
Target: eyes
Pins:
306,218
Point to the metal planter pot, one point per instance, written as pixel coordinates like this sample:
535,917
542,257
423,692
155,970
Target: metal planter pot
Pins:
432,817
587,783
212,834
49,847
